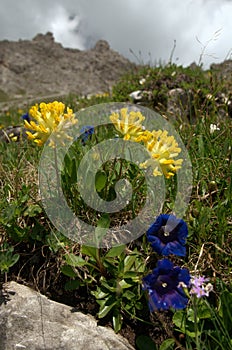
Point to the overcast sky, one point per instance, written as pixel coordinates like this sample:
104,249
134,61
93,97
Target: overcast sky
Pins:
200,28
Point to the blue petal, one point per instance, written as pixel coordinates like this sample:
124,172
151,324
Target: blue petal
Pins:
157,245
174,248
183,233
164,266
175,300
165,218
86,132
148,281
154,301
155,226
184,276
172,221
26,117
87,128
170,300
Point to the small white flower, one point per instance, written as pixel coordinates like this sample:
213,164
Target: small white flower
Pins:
208,288
213,127
182,284
136,95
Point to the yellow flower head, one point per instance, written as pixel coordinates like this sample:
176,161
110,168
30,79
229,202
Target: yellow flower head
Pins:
47,118
128,123
162,149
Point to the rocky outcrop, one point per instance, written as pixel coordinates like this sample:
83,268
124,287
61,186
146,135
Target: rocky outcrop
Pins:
28,320
42,67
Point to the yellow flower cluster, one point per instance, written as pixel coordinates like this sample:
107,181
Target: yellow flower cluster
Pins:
128,124
47,118
161,147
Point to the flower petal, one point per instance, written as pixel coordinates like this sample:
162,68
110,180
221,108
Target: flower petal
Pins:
174,248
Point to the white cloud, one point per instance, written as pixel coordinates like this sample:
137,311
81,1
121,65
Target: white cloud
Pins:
149,26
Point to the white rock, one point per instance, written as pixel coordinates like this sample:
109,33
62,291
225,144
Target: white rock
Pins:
28,320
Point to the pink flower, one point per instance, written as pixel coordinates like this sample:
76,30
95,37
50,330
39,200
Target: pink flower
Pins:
199,286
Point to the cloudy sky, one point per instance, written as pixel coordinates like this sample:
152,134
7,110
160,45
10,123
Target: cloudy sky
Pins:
142,30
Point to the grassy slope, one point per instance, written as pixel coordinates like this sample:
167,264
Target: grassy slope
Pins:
24,224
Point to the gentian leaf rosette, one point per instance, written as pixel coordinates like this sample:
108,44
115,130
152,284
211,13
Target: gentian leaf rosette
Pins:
167,235
165,286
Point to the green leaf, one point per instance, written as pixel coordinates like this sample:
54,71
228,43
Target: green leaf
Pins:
7,260
117,321
74,260
133,275
190,315
106,306
107,286
226,309
73,178
124,284
32,210
72,285
128,295
90,251
179,319
139,305
128,262
104,221
203,311
144,342
99,294
14,259
102,227
67,270
115,251
100,180
167,344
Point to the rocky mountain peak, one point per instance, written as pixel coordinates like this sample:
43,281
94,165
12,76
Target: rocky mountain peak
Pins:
42,67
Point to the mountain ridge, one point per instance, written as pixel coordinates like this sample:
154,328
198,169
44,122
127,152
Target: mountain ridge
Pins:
41,66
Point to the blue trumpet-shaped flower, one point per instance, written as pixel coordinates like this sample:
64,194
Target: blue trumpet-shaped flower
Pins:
86,132
165,286
167,235
26,117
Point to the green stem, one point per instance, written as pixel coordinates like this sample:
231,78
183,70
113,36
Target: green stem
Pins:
168,330
195,322
137,318
57,173
99,262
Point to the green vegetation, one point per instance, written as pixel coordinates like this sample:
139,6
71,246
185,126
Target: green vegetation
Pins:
31,249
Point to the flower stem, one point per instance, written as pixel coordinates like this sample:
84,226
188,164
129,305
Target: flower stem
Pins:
167,329
195,323
57,173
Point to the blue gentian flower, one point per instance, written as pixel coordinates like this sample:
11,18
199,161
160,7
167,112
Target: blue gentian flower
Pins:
165,286
26,117
86,132
167,235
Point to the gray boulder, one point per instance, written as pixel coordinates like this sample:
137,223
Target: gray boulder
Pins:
179,105
30,321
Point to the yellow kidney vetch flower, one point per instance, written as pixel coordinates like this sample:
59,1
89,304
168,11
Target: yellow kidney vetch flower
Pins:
128,123
47,118
163,149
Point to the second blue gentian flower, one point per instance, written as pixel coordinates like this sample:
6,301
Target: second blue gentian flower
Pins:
167,235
